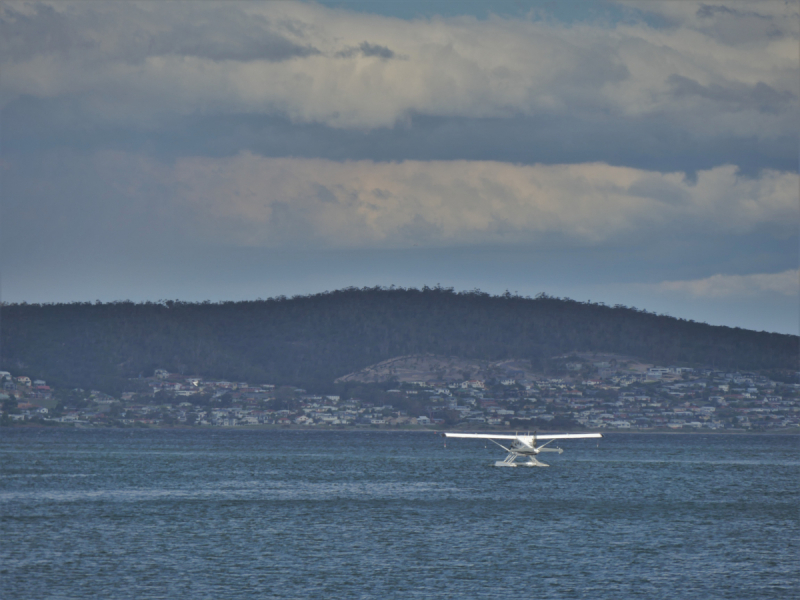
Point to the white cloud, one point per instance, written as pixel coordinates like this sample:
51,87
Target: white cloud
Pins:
786,283
146,60
251,200
284,201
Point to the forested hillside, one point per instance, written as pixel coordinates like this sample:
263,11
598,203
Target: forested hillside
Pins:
311,340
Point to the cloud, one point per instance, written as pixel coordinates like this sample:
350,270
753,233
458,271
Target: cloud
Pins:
786,283
250,200
266,45
759,96
366,49
661,146
734,23
146,62
256,201
130,34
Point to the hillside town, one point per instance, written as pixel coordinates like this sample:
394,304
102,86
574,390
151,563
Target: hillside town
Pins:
660,398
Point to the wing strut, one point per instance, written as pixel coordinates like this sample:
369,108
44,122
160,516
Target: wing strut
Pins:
499,444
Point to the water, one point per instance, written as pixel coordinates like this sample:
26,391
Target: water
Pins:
290,514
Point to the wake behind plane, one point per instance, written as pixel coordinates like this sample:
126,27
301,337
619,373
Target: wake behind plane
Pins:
523,445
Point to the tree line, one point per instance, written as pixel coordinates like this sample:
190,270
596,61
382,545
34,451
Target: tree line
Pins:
311,340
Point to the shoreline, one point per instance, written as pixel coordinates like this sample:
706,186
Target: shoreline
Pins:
374,429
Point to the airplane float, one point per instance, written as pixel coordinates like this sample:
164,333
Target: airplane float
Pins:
523,445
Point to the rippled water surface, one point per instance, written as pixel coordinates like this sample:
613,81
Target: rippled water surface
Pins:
290,514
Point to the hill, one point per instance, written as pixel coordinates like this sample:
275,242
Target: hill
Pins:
312,340
432,368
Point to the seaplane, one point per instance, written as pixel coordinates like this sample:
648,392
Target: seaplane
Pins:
523,446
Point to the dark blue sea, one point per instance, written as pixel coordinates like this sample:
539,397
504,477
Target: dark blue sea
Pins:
193,514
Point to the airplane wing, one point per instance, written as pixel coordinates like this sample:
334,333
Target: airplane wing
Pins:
483,436
562,436
495,436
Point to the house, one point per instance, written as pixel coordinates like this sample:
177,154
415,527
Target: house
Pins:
658,370
23,380
473,383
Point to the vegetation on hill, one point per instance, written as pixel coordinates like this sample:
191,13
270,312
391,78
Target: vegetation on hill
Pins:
311,340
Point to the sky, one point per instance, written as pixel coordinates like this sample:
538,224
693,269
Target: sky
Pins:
636,153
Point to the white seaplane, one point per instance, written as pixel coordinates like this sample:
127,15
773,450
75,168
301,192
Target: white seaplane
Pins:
523,445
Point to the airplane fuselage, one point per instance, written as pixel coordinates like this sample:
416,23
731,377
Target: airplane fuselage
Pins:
520,447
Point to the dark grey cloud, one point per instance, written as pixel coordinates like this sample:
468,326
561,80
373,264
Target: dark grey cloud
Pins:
732,23
324,194
738,96
218,33
367,49
711,10
655,142
734,26
46,31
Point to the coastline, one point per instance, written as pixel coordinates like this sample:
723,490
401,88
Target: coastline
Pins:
397,429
